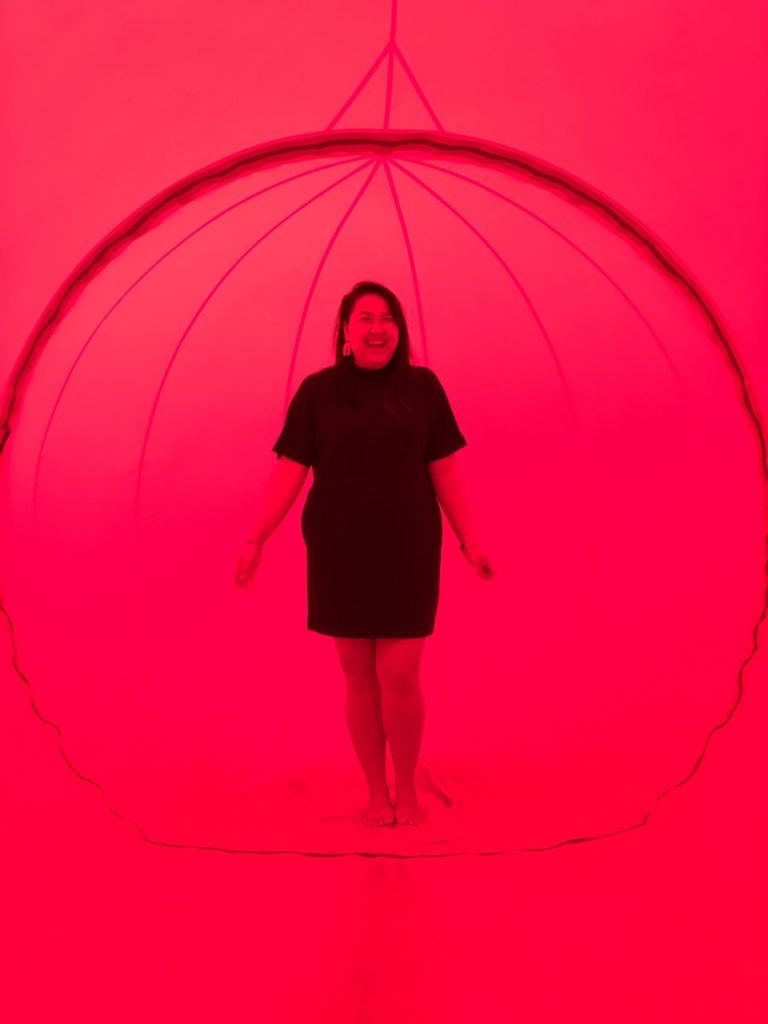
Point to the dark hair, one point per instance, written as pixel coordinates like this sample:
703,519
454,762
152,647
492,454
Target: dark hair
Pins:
403,354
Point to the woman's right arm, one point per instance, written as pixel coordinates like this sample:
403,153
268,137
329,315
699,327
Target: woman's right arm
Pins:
282,489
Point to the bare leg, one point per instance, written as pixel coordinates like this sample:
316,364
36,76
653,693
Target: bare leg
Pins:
404,715
403,712
363,715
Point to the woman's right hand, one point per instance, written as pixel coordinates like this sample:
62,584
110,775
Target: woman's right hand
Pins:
246,567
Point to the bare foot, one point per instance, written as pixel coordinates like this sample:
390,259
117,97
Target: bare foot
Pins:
379,811
407,809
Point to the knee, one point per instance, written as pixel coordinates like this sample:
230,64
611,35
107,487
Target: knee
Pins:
362,682
402,684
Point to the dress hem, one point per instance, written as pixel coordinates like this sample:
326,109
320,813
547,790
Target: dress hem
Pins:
371,636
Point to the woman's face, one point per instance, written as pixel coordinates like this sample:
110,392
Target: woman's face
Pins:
371,332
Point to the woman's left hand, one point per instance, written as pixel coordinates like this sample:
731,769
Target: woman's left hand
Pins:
479,561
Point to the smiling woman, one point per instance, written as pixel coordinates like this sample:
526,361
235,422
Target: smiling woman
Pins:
377,578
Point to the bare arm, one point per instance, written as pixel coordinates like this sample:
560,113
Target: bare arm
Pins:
451,493
282,489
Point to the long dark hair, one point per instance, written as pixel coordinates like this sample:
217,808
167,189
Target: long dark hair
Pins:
403,354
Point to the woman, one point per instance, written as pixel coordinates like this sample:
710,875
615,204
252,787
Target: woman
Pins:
381,438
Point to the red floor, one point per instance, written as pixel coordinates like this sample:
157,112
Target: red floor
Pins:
663,923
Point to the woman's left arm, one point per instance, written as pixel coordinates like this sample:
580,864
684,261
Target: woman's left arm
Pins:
448,482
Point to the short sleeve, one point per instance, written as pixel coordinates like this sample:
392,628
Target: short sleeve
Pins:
443,434
297,438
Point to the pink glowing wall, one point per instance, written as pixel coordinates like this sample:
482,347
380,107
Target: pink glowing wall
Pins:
612,400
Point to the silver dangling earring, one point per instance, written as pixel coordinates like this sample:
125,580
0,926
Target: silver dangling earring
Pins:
347,351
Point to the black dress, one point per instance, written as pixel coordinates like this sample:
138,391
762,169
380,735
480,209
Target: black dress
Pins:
371,522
